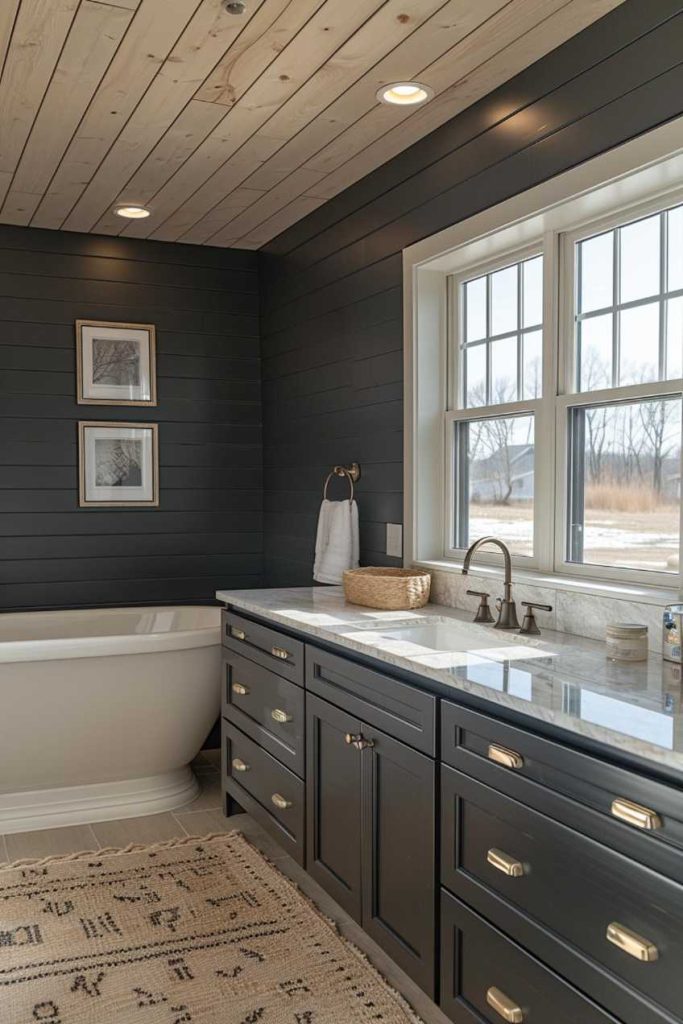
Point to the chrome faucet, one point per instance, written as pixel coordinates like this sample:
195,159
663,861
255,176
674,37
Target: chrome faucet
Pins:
507,611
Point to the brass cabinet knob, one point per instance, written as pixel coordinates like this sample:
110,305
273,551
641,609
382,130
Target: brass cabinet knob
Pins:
503,862
508,758
239,689
279,652
632,943
239,765
238,634
504,1006
362,744
280,801
636,814
278,715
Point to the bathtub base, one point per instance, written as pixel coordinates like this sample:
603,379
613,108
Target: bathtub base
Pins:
105,801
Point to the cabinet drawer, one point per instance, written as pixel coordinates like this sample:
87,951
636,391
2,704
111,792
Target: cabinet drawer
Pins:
598,799
487,977
277,795
266,707
401,711
582,892
267,647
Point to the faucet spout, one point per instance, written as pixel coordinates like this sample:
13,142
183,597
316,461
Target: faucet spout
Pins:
507,611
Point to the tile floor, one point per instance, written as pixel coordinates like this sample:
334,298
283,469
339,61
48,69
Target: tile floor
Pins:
201,817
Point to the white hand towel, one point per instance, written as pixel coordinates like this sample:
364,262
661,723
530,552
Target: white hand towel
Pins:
336,542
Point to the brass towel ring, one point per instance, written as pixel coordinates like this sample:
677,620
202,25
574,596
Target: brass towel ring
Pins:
351,473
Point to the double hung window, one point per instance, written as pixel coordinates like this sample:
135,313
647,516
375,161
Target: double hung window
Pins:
563,427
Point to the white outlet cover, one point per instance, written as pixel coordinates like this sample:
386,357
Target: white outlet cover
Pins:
395,540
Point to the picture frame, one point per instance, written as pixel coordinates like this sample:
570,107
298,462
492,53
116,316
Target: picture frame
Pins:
118,464
115,363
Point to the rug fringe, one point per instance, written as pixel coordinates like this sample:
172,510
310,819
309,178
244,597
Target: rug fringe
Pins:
111,851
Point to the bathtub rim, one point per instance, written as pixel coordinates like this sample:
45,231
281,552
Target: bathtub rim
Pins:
110,645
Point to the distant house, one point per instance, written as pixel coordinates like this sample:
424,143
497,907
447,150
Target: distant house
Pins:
505,476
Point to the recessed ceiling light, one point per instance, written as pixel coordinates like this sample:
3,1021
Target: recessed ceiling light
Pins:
405,94
132,212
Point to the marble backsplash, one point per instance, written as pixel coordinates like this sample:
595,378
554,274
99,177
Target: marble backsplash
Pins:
579,614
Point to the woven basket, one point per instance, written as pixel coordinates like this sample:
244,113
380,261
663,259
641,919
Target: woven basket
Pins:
390,589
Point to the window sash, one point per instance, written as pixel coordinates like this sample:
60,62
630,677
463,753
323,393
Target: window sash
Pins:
611,396
457,347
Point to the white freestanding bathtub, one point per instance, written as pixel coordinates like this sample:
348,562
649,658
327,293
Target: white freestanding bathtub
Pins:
102,711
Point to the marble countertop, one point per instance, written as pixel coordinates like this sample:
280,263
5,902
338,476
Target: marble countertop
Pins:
557,678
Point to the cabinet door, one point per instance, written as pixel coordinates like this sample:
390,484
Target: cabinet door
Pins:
399,856
333,803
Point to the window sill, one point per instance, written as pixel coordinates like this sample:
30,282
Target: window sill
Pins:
570,584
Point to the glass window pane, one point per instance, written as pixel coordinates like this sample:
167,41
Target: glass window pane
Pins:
674,339
675,232
504,300
500,495
639,254
532,364
475,320
639,344
532,295
625,491
475,375
504,370
595,353
596,263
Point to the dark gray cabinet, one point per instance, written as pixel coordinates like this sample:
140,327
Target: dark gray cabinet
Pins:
487,977
398,853
371,833
333,804
556,889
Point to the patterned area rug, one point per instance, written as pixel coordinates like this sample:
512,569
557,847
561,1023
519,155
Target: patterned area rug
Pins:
195,931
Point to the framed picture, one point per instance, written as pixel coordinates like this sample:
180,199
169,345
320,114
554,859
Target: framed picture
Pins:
115,363
118,465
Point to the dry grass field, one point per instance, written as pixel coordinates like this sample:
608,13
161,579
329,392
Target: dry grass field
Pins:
625,528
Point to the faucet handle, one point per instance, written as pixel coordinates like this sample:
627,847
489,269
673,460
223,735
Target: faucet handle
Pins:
529,624
483,611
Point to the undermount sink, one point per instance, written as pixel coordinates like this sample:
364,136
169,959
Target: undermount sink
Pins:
451,636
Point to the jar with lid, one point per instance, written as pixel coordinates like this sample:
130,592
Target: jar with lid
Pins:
626,641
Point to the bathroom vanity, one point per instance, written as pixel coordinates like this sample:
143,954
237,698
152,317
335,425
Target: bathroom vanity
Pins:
503,815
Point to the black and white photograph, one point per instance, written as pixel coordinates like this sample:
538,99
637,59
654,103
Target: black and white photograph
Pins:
116,363
118,464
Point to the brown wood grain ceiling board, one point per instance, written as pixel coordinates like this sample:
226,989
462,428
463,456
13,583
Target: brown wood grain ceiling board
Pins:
233,128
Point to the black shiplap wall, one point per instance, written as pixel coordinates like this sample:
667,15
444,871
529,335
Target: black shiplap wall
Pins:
331,285
208,529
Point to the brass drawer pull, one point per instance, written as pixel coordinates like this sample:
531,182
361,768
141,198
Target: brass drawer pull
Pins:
636,814
280,801
508,758
279,652
504,1006
239,689
238,634
239,765
632,943
502,862
278,715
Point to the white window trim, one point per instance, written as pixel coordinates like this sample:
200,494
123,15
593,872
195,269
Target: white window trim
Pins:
640,175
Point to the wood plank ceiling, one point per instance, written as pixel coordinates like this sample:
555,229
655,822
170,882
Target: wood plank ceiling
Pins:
231,128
